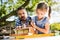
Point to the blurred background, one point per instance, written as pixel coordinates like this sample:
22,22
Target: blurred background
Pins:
8,13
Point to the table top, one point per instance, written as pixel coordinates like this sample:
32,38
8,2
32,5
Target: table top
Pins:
37,38
32,36
44,38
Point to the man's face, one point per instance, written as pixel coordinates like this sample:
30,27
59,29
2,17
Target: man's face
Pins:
40,13
22,14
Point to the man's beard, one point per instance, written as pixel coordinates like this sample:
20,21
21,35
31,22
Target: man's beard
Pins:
22,18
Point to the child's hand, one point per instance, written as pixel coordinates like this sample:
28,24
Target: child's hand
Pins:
33,24
31,30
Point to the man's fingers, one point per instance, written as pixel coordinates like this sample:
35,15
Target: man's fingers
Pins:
18,27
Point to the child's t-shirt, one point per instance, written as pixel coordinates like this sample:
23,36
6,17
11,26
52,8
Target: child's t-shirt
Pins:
41,23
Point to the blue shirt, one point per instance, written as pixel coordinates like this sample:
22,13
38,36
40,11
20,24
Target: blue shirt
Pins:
41,23
19,22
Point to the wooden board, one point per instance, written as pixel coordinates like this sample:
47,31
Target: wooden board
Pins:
32,36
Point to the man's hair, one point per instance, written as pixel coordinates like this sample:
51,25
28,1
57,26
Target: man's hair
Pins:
20,8
42,6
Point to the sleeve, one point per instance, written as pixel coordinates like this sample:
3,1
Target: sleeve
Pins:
46,20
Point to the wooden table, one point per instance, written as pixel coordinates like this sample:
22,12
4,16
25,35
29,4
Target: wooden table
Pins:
17,36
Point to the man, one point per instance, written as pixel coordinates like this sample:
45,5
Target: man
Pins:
23,19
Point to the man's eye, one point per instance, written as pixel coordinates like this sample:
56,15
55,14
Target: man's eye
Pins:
23,13
41,13
19,14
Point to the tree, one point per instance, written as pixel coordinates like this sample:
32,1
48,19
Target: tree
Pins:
9,7
3,19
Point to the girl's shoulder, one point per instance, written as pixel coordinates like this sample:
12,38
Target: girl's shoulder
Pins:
45,19
34,18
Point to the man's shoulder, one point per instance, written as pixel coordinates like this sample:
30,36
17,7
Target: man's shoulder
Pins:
17,19
28,18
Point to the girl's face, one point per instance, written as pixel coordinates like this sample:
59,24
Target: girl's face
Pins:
40,13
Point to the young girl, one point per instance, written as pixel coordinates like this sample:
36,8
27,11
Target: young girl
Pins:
40,22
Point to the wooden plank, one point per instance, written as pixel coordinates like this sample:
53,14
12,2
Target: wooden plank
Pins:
32,36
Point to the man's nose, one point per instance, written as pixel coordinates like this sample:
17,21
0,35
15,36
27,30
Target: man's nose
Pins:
21,14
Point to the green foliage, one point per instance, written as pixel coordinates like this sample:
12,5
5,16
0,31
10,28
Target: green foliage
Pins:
55,26
31,7
2,11
9,6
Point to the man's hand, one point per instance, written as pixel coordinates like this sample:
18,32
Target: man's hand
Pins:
18,28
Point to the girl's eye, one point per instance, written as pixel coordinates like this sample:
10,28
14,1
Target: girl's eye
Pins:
41,14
